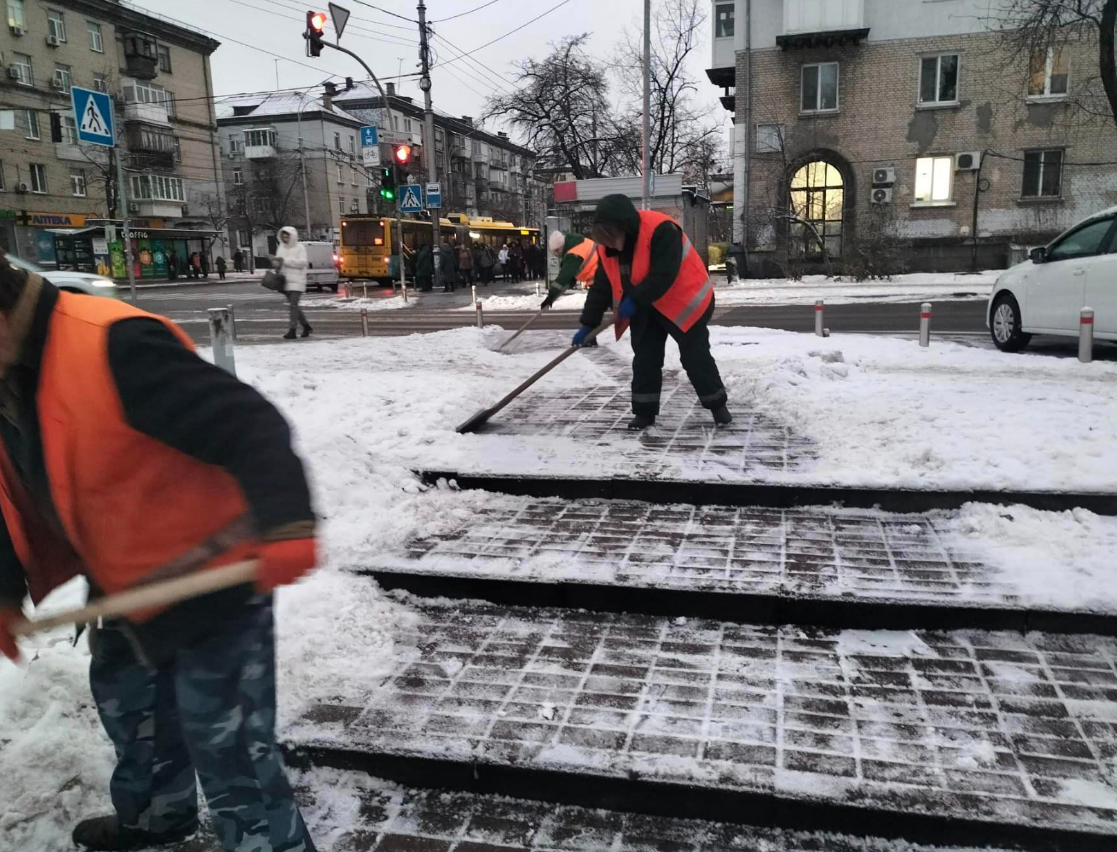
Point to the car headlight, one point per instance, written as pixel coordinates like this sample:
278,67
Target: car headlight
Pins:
102,282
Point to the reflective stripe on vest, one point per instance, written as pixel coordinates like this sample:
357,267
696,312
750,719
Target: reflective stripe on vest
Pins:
589,259
696,303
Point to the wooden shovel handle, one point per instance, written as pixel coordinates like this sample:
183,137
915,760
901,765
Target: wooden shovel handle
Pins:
146,597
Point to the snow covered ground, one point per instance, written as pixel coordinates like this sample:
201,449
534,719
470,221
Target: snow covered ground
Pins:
359,303
365,411
913,287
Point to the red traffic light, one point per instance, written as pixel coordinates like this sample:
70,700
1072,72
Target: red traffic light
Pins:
318,21
402,153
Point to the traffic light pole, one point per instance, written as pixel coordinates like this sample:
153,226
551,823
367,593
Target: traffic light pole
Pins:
428,135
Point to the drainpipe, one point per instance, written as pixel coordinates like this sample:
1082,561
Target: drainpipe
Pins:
741,44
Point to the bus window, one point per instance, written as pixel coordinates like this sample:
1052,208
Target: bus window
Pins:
363,233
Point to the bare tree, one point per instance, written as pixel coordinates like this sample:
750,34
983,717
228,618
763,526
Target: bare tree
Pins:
1033,28
560,107
681,140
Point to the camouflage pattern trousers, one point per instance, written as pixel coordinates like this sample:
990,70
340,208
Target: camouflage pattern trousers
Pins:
208,712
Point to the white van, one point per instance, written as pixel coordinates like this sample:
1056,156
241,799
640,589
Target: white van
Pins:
322,269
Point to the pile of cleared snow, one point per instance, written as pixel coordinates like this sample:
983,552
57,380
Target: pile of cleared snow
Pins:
363,303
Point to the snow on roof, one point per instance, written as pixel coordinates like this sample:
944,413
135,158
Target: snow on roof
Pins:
280,103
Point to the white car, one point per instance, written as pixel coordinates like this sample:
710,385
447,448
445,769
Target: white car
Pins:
74,282
1046,295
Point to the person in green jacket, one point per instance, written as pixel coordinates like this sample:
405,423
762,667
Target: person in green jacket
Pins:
579,263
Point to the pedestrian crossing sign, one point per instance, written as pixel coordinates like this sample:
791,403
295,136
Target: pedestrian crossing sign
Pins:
93,116
410,198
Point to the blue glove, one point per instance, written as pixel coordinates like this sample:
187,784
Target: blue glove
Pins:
627,308
581,335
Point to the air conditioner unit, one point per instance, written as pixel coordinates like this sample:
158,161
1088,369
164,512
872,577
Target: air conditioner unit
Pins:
15,72
21,187
16,31
133,208
969,161
882,195
884,177
52,40
56,83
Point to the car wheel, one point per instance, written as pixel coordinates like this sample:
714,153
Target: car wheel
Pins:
1004,324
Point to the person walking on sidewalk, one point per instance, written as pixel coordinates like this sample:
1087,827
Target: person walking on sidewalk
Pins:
579,263
465,264
238,261
172,265
424,269
655,280
486,260
448,267
502,261
202,474
221,266
292,262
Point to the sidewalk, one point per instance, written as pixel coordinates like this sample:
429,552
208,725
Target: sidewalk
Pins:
213,280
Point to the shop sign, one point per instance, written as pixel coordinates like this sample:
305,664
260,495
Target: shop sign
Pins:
56,220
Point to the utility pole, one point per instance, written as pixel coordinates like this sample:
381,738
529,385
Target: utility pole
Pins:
302,166
743,213
428,136
647,99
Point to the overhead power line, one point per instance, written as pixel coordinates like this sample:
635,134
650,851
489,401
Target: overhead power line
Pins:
463,14
387,12
506,35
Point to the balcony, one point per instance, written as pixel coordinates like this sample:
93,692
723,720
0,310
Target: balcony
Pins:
151,113
155,209
141,55
822,23
260,152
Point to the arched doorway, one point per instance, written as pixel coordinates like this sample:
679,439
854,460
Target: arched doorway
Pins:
817,195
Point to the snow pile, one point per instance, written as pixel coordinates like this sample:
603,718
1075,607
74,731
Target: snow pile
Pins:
363,303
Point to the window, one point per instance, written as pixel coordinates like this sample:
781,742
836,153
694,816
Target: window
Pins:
178,150
242,238
100,83
769,138
38,178
142,92
77,183
817,197
820,88
22,63
56,25
69,129
352,146
340,179
170,103
353,175
260,137
2,186
1043,174
368,180
63,77
15,14
938,79
723,20
407,124
96,40
158,188
31,122
341,204
235,146
1049,74
164,58
933,178
238,177
337,141
1088,240
155,139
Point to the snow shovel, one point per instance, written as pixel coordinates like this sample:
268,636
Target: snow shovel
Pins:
482,417
146,597
523,328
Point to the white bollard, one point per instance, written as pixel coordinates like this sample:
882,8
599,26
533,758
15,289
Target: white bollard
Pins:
232,322
364,289
1086,336
364,322
537,292
925,324
818,318
480,314
221,340
405,292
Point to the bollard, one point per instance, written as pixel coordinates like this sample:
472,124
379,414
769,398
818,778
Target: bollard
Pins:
537,292
1086,336
221,340
473,289
364,289
232,322
364,322
925,324
480,314
818,318
405,292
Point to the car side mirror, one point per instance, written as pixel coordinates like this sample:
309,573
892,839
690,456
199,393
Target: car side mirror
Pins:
1039,255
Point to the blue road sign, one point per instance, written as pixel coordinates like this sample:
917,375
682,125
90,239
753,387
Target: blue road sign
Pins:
369,137
93,116
410,198
434,196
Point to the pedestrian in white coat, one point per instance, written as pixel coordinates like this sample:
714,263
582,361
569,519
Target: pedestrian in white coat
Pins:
290,259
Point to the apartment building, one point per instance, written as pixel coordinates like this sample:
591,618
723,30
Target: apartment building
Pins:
290,159
857,115
482,174
58,196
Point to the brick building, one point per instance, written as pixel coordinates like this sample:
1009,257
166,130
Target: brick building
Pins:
865,114
158,72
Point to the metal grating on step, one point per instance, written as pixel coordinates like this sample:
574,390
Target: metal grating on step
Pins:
995,727
819,552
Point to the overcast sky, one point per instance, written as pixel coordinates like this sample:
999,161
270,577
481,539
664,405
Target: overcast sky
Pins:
389,44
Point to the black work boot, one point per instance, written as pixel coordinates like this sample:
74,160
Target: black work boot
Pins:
641,421
307,330
290,335
722,417
106,834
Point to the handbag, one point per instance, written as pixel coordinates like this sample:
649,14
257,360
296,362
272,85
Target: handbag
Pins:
275,281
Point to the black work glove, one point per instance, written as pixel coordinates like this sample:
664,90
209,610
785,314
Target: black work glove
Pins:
552,296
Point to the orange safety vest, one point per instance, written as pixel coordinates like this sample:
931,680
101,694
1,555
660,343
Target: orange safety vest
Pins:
689,296
587,250
129,505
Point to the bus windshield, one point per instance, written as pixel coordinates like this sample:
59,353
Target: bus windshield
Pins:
363,233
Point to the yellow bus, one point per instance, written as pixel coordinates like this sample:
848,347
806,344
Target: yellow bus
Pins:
369,242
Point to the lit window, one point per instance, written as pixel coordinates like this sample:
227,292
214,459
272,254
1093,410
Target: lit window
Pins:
820,87
96,40
1043,174
933,179
938,79
817,197
1049,73
15,14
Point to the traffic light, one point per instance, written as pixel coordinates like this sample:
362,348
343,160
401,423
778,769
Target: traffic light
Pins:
315,29
401,155
388,183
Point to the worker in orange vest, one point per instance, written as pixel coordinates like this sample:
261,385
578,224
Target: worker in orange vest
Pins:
579,263
127,459
654,279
